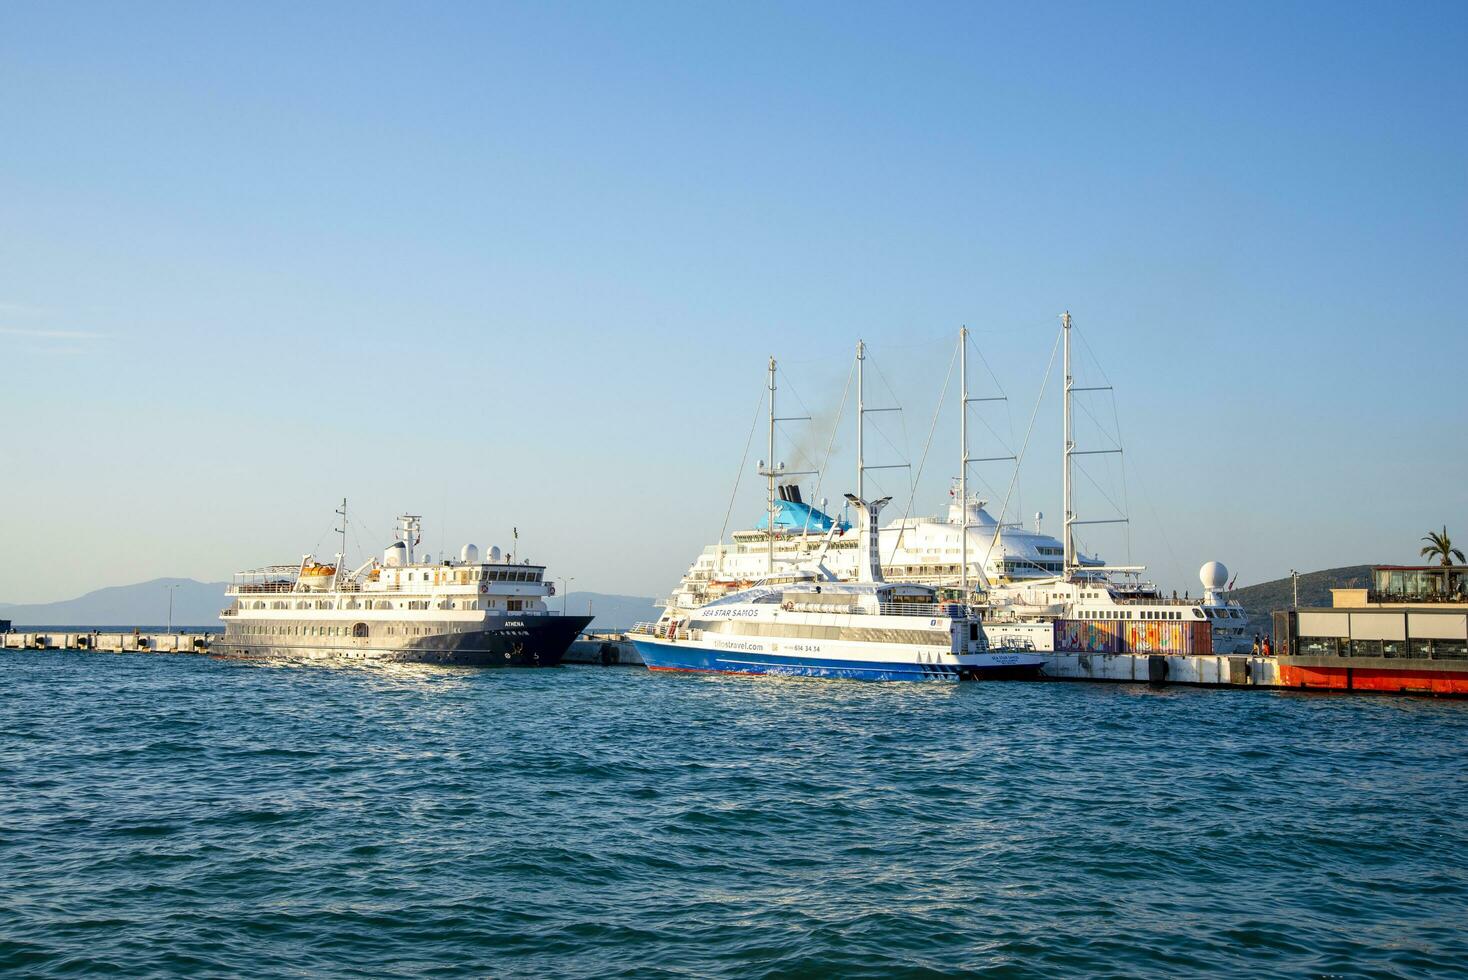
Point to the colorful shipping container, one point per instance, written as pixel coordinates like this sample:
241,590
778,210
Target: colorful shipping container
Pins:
1133,636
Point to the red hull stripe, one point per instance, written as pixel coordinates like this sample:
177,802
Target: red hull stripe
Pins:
1368,679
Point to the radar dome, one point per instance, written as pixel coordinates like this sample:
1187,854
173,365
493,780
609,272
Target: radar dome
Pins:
469,554
1213,575
494,553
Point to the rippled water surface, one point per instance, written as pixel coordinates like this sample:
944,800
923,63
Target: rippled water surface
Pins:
193,817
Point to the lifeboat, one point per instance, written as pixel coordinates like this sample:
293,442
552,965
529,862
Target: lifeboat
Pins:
315,577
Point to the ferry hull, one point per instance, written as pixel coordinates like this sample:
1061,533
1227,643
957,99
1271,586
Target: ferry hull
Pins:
535,642
689,656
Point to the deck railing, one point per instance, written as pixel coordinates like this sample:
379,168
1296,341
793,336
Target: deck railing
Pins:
929,609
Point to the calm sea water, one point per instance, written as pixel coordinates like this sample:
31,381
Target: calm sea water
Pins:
192,817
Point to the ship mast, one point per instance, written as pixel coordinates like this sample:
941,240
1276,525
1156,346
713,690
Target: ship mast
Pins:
1068,481
964,460
341,559
772,472
1067,513
861,418
861,422
963,463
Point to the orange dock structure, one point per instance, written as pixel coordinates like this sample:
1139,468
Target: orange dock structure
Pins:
1406,634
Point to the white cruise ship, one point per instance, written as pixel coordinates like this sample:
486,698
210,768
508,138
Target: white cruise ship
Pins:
1027,579
488,612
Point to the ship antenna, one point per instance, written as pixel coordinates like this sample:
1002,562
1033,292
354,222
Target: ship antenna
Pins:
341,559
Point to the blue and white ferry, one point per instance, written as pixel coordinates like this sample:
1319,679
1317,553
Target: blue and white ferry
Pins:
806,623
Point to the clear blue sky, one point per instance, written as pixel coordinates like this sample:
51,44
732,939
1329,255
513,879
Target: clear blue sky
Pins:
522,265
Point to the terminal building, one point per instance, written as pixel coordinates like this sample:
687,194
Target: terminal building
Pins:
1407,633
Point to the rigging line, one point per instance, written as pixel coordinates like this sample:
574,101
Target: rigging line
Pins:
1008,447
934,342
912,493
1034,413
1177,569
835,428
1007,444
798,449
1095,361
1098,487
317,547
895,448
352,530
987,367
799,455
790,385
905,453
1125,498
1116,443
739,477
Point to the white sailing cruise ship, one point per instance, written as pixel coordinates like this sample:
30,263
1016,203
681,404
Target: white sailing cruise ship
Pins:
488,612
1027,580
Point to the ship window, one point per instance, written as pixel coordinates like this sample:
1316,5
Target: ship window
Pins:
1450,649
1317,646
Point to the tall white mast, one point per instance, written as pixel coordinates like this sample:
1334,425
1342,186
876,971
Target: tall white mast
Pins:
770,472
861,418
341,559
861,422
773,471
1068,485
963,462
1067,512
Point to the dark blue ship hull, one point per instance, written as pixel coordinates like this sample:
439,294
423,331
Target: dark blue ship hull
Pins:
534,641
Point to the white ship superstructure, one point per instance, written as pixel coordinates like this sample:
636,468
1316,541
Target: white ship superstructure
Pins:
805,623
474,611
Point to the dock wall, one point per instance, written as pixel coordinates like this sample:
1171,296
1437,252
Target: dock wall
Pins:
129,642
1205,670
1189,670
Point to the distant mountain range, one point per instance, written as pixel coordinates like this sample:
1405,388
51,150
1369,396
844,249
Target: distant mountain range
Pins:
143,604
197,604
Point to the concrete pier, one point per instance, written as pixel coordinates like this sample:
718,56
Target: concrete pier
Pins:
613,649
132,641
1206,670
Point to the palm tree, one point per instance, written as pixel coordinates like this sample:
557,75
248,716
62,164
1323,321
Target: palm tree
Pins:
1440,546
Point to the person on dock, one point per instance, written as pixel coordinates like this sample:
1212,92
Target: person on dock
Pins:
1267,647
1256,644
